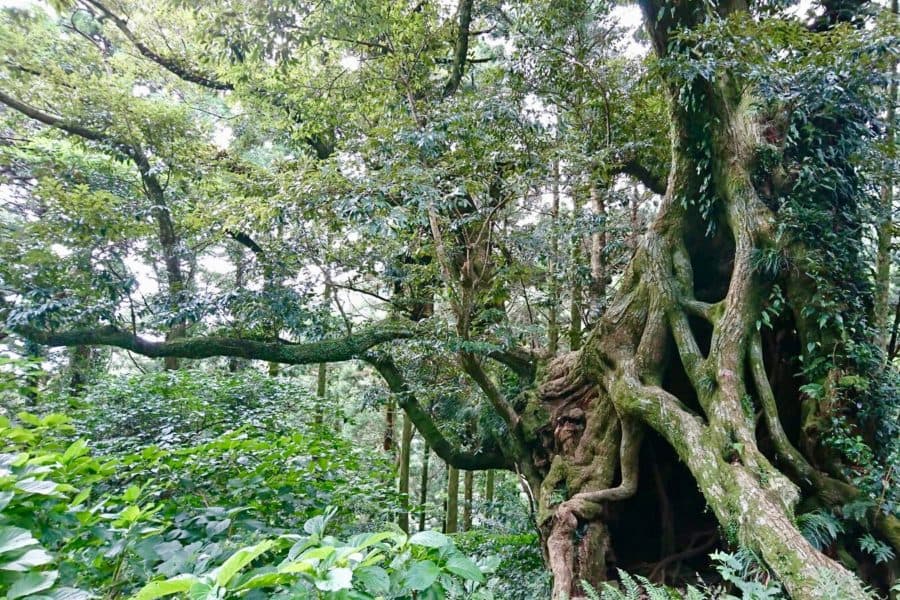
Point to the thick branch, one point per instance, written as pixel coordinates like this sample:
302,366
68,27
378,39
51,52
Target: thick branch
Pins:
173,66
64,125
324,351
461,50
480,460
654,182
518,360
474,369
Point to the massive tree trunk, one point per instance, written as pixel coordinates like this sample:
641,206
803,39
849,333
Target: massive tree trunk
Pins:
692,298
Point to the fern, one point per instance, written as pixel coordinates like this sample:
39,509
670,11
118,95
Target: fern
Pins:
881,551
590,591
632,589
820,528
654,591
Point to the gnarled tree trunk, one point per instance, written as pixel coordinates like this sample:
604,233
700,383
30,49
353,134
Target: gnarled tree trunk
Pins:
681,284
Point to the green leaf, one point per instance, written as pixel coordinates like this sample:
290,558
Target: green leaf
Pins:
15,538
430,539
131,494
158,589
78,448
465,568
262,580
202,591
336,580
421,575
239,560
32,583
34,486
5,498
36,557
374,579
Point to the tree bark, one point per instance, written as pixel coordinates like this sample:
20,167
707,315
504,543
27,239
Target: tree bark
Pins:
467,501
552,266
321,391
599,242
451,519
575,318
423,486
390,412
405,444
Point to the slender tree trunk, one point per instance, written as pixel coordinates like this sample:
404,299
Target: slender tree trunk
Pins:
321,391
552,267
489,491
405,444
467,501
452,513
598,249
882,308
575,324
171,250
423,485
80,365
237,256
390,413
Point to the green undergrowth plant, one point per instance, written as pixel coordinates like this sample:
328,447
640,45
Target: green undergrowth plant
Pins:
387,564
519,572
74,526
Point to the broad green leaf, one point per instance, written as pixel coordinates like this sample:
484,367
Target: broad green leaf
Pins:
35,557
239,560
131,494
159,589
32,583
422,574
35,486
203,591
374,579
78,448
465,568
261,580
430,539
15,538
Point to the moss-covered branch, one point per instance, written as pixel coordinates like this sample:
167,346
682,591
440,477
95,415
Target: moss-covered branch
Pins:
323,351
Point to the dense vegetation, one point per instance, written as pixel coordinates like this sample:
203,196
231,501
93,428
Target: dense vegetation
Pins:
372,299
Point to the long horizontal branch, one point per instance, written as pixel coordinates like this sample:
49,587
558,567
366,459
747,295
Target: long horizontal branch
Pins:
471,461
324,351
65,125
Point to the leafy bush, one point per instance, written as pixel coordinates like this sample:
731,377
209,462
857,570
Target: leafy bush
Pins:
519,572
387,564
67,519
